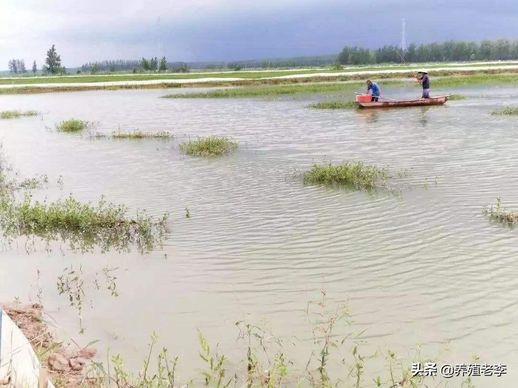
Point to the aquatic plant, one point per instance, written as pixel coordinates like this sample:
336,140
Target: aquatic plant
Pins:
334,105
72,125
270,90
456,97
83,225
498,213
265,361
354,174
136,135
506,111
208,146
15,114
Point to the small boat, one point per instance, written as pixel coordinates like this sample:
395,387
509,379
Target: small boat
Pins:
366,103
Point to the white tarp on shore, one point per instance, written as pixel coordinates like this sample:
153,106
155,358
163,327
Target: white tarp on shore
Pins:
17,358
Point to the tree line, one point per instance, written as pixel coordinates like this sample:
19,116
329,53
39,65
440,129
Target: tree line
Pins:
487,50
152,64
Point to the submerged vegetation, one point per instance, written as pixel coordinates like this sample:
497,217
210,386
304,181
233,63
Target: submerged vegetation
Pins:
15,114
84,225
136,135
353,174
456,97
506,111
499,214
270,90
208,146
334,105
72,125
336,358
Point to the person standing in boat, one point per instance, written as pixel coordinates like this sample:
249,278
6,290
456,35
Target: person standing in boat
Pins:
374,90
424,80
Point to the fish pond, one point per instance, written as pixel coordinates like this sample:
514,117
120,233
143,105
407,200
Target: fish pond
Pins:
417,263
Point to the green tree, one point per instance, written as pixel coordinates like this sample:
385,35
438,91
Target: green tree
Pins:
145,64
163,64
53,61
153,64
34,67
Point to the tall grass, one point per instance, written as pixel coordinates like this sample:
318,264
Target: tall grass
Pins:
208,146
72,125
15,114
336,359
353,174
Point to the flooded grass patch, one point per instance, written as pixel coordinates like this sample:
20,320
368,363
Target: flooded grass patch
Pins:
137,135
506,111
353,174
337,358
270,90
15,114
456,97
72,125
497,213
84,225
334,105
208,146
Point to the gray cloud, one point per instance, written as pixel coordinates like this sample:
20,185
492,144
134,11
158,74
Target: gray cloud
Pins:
230,29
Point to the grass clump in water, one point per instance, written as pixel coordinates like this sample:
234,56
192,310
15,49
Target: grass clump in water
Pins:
506,111
15,114
498,213
353,174
136,135
84,225
72,125
456,97
334,105
208,146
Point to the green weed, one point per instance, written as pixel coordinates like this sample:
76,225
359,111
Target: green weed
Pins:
15,114
137,135
72,125
334,105
208,146
506,111
353,174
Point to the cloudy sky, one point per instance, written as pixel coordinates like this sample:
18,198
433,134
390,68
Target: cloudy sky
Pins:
207,30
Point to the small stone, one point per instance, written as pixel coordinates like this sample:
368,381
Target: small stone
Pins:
77,364
58,362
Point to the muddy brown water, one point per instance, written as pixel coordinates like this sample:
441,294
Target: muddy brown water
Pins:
421,267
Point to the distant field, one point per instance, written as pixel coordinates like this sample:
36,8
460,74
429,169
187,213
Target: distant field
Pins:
268,82
243,74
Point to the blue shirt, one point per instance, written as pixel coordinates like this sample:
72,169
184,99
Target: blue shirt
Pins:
374,88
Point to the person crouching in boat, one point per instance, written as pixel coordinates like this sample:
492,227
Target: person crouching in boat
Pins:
424,80
374,90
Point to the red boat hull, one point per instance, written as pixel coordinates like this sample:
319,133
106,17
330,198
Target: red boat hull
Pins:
439,100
